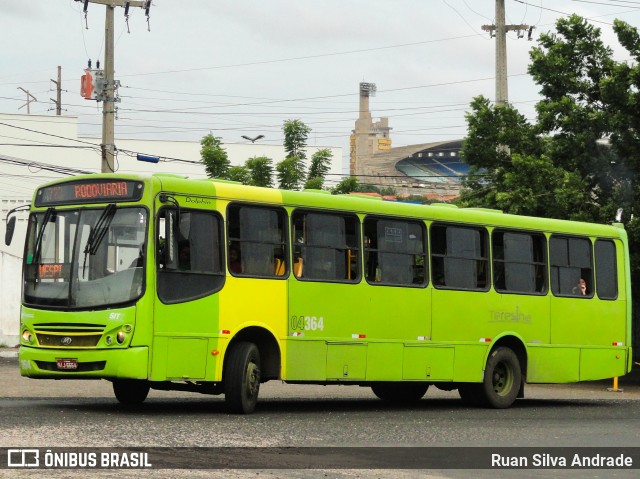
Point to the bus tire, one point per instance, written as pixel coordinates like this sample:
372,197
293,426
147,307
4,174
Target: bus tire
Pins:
242,378
502,378
130,392
399,392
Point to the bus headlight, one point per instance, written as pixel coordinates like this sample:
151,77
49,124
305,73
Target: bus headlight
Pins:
27,337
120,337
108,340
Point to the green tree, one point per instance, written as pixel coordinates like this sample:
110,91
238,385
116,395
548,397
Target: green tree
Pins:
318,169
290,173
314,184
240,174
291,170
214,157
295,138
261,171
346,185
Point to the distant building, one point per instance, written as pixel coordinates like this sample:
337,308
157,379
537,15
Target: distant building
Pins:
434,170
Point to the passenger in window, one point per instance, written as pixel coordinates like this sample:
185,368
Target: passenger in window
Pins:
234,260
581,288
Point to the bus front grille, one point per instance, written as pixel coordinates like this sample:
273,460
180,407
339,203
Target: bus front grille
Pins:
68,335
71,340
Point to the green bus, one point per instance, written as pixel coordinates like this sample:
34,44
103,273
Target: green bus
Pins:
170,283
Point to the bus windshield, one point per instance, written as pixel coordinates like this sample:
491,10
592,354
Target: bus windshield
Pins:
85,258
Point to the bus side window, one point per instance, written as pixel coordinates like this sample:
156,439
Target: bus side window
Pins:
519,262
570,262
394,252
189,258
606,270
257,241
459,257
327,245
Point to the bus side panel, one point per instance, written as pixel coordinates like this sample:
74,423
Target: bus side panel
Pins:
180,339
306,360
525,315
548,364
346,361
469,363
587,321
460,316
602,363
255,302
383,360
356,313
425,363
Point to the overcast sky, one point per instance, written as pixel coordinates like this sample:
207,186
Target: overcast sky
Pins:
240,67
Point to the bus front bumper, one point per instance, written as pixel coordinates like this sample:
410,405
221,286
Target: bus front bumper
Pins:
128,363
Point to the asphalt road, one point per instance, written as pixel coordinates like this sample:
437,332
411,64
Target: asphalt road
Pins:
47,413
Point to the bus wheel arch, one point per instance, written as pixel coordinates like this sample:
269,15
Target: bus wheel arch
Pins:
252,357
505,373
270,358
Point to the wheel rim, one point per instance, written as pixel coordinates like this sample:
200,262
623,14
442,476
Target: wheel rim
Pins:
253,380
502,379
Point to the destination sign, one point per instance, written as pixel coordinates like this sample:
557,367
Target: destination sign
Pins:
53,270
87,191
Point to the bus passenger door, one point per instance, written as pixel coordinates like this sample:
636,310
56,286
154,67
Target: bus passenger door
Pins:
189,275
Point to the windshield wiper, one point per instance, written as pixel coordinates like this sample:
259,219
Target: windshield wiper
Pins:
98,233
50,213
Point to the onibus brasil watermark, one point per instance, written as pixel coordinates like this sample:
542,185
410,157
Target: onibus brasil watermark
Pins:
35,458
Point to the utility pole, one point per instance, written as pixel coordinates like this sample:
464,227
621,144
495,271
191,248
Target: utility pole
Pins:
109,106
499,31
58,100
29,98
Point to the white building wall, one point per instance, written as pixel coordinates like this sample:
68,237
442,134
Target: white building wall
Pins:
10,288
18,182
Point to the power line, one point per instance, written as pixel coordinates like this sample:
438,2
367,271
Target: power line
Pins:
558,11
305,57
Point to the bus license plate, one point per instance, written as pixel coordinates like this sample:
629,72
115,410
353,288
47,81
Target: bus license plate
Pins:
67,363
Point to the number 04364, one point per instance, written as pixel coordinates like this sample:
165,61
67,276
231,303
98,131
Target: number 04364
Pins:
307,323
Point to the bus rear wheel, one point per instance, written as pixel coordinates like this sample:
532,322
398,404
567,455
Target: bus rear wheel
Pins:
242,378
130,392
502,378
400,392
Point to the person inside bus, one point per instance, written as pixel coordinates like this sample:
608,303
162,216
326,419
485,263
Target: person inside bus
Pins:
581,288
234,259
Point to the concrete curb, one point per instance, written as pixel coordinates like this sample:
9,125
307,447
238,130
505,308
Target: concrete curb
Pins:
8,353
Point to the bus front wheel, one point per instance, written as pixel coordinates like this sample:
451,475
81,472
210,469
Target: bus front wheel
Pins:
502,377
399,392
242,378
130,391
